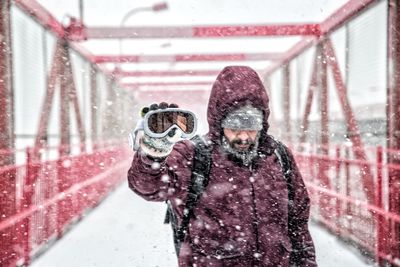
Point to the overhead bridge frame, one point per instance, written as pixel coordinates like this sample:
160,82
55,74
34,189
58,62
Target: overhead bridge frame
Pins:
311,35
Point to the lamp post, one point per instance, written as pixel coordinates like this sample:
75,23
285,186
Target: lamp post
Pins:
155,8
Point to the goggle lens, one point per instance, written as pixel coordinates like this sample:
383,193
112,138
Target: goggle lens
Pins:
161,121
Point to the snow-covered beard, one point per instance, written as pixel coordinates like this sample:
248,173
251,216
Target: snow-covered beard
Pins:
244,156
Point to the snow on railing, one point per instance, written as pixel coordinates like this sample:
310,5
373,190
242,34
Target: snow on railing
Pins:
53,194
340,203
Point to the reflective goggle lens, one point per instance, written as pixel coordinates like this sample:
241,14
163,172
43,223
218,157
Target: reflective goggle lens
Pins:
161,121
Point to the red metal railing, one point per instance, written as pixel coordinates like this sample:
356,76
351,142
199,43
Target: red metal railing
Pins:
52,194
342,205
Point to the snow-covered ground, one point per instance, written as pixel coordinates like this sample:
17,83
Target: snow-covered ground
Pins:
128,231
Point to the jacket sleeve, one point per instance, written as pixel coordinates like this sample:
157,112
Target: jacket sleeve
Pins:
303,251
162,179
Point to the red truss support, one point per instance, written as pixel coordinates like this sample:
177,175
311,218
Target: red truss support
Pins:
286,102
323,168
60,74
393,120
184,58
44,17
318,85
72,96
348,11
323,89
344,14
7,176
93,104
6,90
325,55
355,137
41,136
202,31
310,95
65,125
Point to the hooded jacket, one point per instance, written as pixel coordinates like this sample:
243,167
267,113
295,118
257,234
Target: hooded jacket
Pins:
243,217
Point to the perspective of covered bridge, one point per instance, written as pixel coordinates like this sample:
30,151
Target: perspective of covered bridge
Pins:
74,75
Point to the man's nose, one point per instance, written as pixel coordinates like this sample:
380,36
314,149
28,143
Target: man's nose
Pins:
243,135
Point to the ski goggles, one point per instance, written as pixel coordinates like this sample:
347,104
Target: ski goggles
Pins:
244,119
159,123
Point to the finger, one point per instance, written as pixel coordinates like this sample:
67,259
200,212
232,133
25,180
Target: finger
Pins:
173,105
163,105
144,111
153,106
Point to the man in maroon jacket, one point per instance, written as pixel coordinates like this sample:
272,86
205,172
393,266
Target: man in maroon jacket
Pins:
243,217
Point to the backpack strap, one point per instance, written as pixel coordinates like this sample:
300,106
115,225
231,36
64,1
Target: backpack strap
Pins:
198,182
286,164
282,153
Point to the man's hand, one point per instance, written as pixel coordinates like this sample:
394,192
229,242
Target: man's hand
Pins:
158,147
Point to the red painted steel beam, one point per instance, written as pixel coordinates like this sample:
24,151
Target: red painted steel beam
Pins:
73,98
344,14
184,58
7,177
64,108
6,84
93,106
351,121
286,102
60,73
323,168
121,73
137,85
307,109
41,15
393,121
202,31
47,20
41,136
323,87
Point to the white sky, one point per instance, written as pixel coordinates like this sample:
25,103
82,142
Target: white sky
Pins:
198,12
189,13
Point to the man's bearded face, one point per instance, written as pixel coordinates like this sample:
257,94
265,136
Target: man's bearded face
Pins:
242,140
242,144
